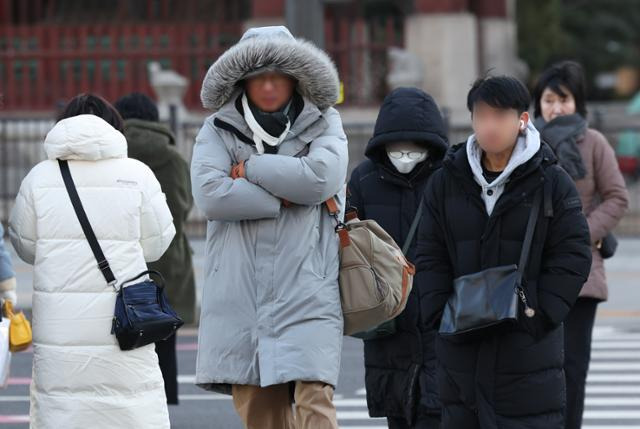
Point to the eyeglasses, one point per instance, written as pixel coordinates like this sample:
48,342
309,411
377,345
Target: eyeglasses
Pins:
397,154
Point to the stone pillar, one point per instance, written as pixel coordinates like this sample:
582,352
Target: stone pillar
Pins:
445,40
305,18
170,88
265,13
498,38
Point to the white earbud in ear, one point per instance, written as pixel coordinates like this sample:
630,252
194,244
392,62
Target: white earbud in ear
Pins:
522,125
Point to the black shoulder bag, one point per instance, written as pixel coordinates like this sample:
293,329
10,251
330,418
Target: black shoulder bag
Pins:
607,246
490,297
142,315
388,328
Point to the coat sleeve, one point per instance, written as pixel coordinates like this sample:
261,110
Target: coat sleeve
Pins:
156,223
6,267
176,184
308,180
434,277
566,255
219,196
611,189
354,194
7,275
23,222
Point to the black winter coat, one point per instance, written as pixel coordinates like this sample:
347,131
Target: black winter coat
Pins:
400,369
512,377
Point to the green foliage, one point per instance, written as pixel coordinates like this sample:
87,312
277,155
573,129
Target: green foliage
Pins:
601,34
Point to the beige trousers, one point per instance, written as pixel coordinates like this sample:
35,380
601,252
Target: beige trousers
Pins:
272,407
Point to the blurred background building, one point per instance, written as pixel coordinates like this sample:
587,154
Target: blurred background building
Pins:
51,50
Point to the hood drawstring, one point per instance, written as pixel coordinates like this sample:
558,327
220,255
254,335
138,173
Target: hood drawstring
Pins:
259,134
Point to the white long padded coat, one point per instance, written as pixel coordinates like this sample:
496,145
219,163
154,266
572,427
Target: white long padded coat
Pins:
271,306
81,379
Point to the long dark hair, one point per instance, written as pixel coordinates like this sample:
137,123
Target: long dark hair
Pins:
566,74
91,104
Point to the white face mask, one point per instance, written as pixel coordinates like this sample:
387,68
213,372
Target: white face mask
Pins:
406,155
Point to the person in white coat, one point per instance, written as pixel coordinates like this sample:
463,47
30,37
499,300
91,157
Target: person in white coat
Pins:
81,379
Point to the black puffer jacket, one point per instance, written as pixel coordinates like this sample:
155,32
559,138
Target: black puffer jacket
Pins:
512,377
400,369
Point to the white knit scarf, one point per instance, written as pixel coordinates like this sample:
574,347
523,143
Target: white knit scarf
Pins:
259,134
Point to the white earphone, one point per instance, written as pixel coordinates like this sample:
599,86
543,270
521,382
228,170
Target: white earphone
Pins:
522,125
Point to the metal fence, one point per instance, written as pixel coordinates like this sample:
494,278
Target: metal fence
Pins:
51,51
21,148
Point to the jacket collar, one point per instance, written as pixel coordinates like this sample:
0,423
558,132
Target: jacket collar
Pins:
309,124
457,164
526,147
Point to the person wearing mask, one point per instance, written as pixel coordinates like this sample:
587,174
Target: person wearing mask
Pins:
407,146
153,144
587,156
80,377
496,192
263,166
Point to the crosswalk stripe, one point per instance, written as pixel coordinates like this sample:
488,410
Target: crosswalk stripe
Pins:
596,389
379,425
597,426
353,402
356,415
612,414
615,401
614,354
609,345
614,366
22,418
14,398
613,377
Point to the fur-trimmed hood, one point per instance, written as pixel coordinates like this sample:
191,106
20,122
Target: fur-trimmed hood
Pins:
272,48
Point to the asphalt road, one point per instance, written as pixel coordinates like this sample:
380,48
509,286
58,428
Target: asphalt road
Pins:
613,394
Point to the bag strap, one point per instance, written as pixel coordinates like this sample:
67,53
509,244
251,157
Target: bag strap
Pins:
341,228
103,265
414,228
528,236
147,272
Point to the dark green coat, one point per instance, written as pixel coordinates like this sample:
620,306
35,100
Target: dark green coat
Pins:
151,143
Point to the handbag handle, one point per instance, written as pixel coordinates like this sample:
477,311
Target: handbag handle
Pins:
528,236
103,264
144,273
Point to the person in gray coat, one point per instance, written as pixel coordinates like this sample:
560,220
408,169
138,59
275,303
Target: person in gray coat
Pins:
263,165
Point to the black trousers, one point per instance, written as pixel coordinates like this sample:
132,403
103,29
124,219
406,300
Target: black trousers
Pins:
166,351
423,422
578,328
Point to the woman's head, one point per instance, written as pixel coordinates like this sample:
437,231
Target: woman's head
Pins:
561,90
90,104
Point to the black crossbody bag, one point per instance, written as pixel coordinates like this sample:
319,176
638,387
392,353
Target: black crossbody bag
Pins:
142,315
490,297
